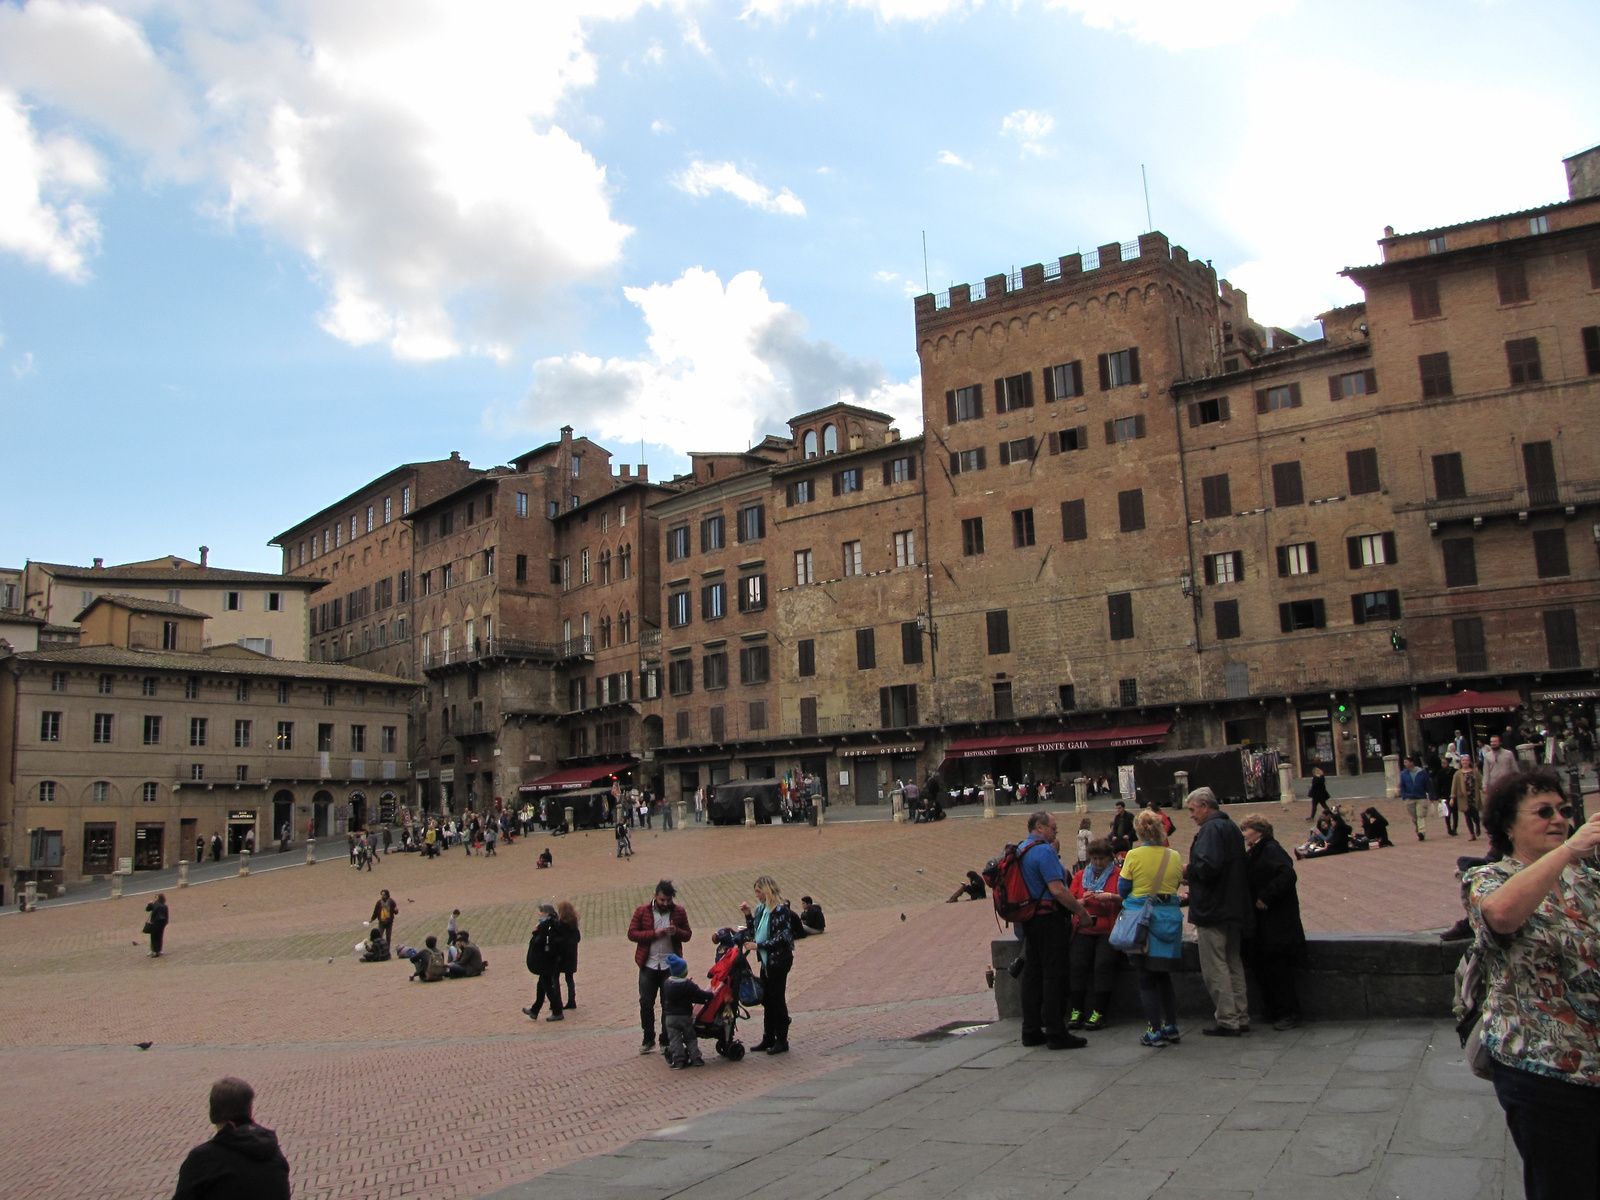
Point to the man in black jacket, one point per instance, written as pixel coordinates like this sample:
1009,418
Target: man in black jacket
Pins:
1219,909
242,1162
1122,829
546,954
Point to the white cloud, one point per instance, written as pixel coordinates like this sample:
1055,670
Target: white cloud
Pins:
951,159
660,127
726,365
1177,24
1029,128
703,178
23,367
42,182
887,10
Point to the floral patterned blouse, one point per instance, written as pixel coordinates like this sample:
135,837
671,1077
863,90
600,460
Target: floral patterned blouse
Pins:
1542,1011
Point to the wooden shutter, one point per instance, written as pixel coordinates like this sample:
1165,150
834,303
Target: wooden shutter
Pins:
1238,566
1005,454
1105,372
950,407
1083,437
1261,400
1049,385
888,472
1077,376
1054,443
1335,389
1194,416
911,467
1111,433
1033,448
1283,561
1001,400
911,704
1285,617
977,400
1227,614
1391,553
1209,568
1311,558
1138,425
1133,364
761,522
837,477
1371,379
983,458
1319,614
955,463
1358,609
1074,523
1352,548
705,602
1027,389
1223,412
884,710
1394,603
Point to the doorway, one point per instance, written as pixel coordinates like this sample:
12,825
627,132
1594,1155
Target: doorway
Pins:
1381,733
1316,742
358,811
241,828
866,771
99,848
321,808
148,849
188,834
817,767
283,816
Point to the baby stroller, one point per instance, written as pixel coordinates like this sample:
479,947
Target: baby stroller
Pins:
730,976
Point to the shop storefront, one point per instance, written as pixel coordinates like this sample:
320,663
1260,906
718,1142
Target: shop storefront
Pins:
874,770
148,848
1381,731
1318,747
1568,712
241,825
1476,715
1050,757
99,848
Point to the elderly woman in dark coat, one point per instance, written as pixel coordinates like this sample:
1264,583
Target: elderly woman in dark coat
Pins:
1280,939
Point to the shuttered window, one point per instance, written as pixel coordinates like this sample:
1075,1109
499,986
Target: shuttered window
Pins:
997,625
1591,344
1209,412
1550,553
1227,618
806,654
1013,392
1130,509
866,649
1352,383
1362,466
1065,440
1063,382
1119,369
1424,299
964,404
1287,489
972,535
1511,281
1369,607
1522,360
1561,639
1216,496
1460,562
1119,609
1449,482
1074,521
1227,567
910,643
1472,656
1273,398
1371,550
1294,615
1539,467
1434,370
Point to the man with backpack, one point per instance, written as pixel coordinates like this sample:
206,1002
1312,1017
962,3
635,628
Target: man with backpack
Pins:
1046,932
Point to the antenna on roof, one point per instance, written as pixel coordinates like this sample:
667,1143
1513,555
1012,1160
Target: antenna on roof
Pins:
926,282
1149,224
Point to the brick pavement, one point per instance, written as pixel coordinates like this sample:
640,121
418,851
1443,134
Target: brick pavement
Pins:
384,1088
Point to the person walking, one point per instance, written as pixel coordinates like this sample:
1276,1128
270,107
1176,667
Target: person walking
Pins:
1499,763
1219,909
1150,875
567,913
657,929
1276,943
388,839
242,1161
1466,793
1416,791
1122,829
1443,775
771,924
383,912
1534,914
700,805
546,956
200,849
216,847
1318,793
156,923
1046,937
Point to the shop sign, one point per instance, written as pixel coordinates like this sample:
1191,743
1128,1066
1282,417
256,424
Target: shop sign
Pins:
243,815
1568,694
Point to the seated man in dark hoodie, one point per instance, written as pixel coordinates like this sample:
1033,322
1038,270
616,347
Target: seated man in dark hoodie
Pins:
679,996
242,1162
469,959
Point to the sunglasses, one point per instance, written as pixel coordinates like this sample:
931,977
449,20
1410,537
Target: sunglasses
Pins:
1545,811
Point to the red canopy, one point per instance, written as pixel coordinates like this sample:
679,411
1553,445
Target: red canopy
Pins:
577,777
1066,739
1468,703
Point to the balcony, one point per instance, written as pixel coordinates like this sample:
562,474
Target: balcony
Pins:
1510,502
473,725
480,649
824,726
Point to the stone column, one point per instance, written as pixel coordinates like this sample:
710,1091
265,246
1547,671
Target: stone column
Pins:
988,802
116,885
1391,776
1080,794
821,808
1285,786
568,813
749,812
1180,785
244,863
183,872
897,806
30,896
311,852
681,807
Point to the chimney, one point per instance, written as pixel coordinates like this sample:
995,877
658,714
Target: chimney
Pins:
455,456
644,473
205,552
1583,174
99,563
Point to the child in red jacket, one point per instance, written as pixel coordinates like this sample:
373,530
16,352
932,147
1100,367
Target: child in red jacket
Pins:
1091,952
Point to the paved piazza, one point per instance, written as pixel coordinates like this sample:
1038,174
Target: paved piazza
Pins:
382,1088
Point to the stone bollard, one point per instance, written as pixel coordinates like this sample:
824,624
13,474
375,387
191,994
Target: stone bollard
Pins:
568,812
30,896
897,806
1391,776
183,872
1285,787
749,812
988,802
681,808
311,852
1180,785
116,885
820,807
1080,793
1528,755
244,863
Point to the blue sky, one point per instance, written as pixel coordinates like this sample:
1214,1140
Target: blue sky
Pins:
253,255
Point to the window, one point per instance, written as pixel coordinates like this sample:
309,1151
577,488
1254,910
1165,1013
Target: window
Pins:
899,470
102,728
197,772
1539,466
964,404
241,690
1119,368
1424,299
1273,398
1550,553
1287,489
197,731
714,601
972,535
1352,383
102,792
677,543
324,738
47,791
757,718
1063,382
151,792
807,657
804,568
1226,613
1297,558
866,650
753,522
1438,245
283,689
680,676
1511,281
1449,483
285,738
1302,614
1434,370
604,632
1124,429
1472,655
488,564
152,731
1074,521
846,482
681,719
677,610
1460,562
810,443
1208,412
1227,567
1119,607
1367,608
1130,510
107,684
241,773
1362,466
801,491
1022,528
1013,392
808,714
1522,360
1064,440
1216,496
1015,451
714,671
752,593
624,627
241,735
910,643
1591,340
718,717
1371,550
446,578
905,548
1539,224
1128,692
830,439
997,626
1067,697
713,533
274,601
1561,639
577,694
962,461
191,688
754,665
58,681
522,567
169,635
852,558
1002,700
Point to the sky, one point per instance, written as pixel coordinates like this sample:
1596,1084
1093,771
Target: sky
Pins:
253,255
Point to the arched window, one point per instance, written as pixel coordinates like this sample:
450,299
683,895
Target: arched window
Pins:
605,566
810,443
830,439
625,560
624,627
605,633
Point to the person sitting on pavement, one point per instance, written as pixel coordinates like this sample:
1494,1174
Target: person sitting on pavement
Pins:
243,1161
376,947
468,962
1375,828
1336,838
812,917
545,859
679,995
972,889
427,963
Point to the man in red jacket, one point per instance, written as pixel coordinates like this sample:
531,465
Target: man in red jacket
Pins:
658,929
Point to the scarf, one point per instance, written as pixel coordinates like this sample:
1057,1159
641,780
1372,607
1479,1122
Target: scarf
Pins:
1096,883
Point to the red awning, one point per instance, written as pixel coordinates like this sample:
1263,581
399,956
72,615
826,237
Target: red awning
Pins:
577,777
1066,739
1466,704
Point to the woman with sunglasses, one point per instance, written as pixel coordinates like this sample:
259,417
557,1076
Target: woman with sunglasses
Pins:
1537,916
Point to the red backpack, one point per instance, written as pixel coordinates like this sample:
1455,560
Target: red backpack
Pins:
1012,900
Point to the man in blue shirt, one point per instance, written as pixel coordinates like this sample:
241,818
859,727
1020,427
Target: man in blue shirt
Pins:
1045,939
1416,789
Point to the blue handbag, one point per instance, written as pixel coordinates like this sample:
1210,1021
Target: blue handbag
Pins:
1131,933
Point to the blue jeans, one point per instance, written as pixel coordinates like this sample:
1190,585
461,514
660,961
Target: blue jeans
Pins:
1556,1126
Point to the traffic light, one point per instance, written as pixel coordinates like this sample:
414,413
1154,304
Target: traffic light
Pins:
1395,640
1344,713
